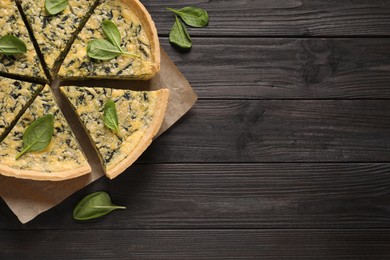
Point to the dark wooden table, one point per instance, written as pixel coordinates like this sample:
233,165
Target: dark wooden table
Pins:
286,153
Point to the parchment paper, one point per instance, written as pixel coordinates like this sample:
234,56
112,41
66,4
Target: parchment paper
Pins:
27,199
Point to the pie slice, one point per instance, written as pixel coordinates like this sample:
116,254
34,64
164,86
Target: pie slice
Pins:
27,64
15,96
54,32
61,160
139,36
140,115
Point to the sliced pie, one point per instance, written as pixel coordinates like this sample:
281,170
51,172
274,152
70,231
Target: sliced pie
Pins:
139,36
61,160
15,96
140,114
54,32
26,64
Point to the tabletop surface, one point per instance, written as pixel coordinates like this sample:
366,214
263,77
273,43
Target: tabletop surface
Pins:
285,154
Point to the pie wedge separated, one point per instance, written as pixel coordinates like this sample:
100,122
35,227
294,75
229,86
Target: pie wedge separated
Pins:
140,114
139,37
61,160
15,95
54,32
27,64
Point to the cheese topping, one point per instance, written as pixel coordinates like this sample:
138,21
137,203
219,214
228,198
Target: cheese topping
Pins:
26,64
14,95
54,32
134,40
62,154
135,109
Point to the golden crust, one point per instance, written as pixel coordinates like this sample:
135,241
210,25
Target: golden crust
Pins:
44,176
146,140
150,28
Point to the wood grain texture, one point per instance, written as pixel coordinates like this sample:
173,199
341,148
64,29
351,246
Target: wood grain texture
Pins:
254,68
196,244
281,18
234,196
286,155
277,131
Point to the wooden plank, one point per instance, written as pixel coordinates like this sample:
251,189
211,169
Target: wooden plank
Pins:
196,244
281,18
204,196
286,68
278,131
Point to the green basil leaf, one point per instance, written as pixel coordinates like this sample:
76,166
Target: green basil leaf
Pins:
192,16
112,33
55,6
38,135
93,206
102,49
110,116
11,45
179,36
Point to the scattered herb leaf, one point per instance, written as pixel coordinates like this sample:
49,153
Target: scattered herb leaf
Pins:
38,135
93,206
192,16
179,36
11,45
110,116
55,6
101,49
112,33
